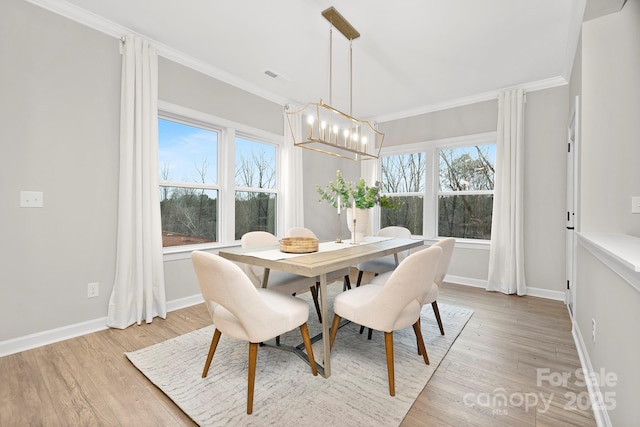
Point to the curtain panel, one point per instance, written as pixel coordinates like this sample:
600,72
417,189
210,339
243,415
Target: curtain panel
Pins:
138,290
292,189
506,259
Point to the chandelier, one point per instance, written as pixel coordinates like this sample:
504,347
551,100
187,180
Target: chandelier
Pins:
328,130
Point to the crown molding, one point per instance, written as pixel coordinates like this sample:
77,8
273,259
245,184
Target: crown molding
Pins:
481,97
110,28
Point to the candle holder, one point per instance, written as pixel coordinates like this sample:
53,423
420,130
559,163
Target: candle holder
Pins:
338,239
353,232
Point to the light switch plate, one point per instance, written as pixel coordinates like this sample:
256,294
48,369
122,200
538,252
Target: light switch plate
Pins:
635,204
31,199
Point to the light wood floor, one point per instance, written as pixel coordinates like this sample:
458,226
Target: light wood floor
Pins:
88,381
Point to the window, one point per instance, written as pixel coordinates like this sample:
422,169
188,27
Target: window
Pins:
188,163
217,179
256,198
445,187
403,177
465,193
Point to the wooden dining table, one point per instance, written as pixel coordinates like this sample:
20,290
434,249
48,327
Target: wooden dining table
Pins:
330,257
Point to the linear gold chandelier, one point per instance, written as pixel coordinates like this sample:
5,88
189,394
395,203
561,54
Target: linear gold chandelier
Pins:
328,130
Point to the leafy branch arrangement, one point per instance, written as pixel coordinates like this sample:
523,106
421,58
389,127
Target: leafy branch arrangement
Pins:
344,192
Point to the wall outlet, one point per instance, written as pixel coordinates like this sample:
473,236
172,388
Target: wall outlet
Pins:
93,290
593,330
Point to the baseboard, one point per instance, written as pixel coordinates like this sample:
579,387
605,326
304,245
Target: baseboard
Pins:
595,396
51,336
28,342
478,283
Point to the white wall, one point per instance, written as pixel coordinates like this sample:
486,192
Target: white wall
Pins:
609,177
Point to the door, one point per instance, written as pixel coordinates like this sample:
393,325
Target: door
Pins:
572,203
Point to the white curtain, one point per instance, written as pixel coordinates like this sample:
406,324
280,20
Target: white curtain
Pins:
506,259
138,289
292,190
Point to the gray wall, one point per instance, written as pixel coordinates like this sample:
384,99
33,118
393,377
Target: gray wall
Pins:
59,116
609,177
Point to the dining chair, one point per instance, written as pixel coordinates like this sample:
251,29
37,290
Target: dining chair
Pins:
387,263
240,310
431,297
393,306
333,276
281,281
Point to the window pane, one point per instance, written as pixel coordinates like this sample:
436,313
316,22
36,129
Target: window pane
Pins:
255,212
255,164
465,216
189,215
467,168
403,174
187,153
408,215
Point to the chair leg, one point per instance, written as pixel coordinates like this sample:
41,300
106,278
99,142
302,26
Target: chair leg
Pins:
304,330
421,348
314,294
347,282
437,313
369,334
334,330
360,273
212,349
388,344
253,356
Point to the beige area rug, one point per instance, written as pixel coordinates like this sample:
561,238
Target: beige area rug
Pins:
286,393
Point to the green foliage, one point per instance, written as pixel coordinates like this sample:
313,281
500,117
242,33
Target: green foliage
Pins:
345,192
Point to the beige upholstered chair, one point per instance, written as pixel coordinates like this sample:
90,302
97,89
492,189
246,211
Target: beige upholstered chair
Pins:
280,281
392,306
387,263
240,310
447,246
342,274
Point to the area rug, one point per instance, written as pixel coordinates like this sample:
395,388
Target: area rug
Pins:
286,393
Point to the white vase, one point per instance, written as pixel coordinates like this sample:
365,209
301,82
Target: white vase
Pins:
362,223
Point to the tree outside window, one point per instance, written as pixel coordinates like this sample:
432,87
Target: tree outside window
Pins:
465,194
255,179
403,179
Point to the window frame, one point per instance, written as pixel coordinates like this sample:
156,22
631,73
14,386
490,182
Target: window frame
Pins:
226,172
431,186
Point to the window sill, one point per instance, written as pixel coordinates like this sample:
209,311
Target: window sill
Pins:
483,245
175,253
619,252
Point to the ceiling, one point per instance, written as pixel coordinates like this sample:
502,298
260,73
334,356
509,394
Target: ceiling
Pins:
412,56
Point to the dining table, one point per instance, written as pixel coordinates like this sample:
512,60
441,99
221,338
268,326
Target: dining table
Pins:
331,256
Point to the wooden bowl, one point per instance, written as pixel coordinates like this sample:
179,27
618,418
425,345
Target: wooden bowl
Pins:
299,245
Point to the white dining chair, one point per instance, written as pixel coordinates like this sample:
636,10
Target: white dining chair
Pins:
392,306
387,263
240,310
447,245
281,281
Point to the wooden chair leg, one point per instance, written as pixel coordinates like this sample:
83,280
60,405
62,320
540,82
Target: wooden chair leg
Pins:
304,330
437,313
253,356
360,273
212,349
421,348
334,330
314,294
417,340
388,344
